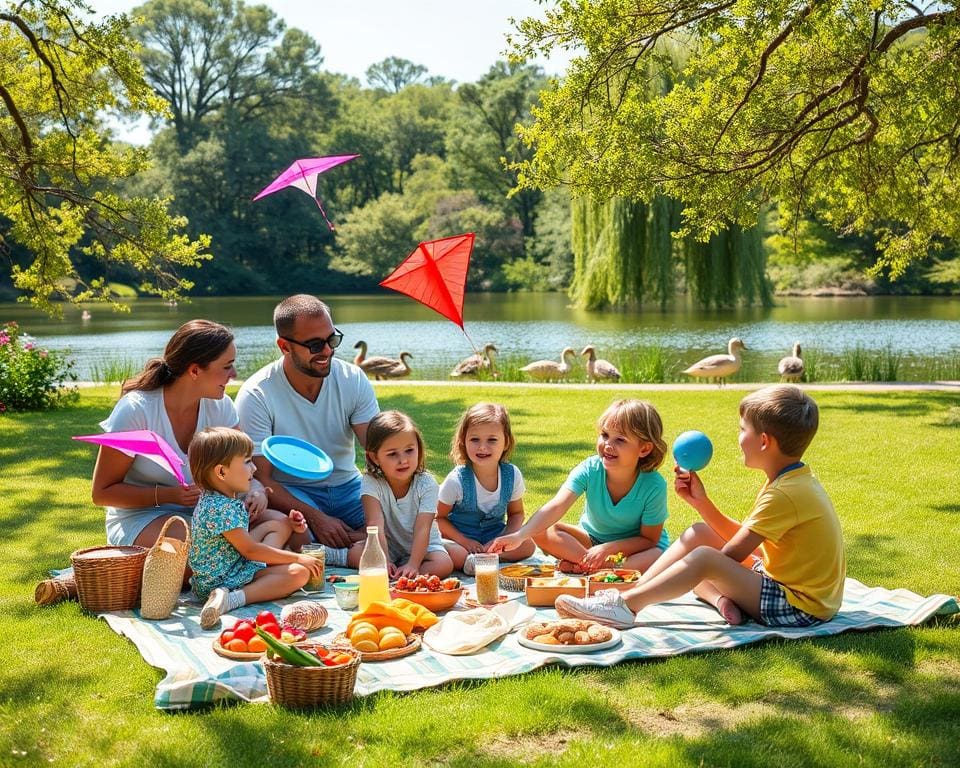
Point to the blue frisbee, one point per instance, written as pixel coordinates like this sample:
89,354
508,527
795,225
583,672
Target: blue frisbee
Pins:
297,457
692,450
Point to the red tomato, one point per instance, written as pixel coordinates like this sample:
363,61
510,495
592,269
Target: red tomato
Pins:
243,630
271,629
225,637
266,617
328,662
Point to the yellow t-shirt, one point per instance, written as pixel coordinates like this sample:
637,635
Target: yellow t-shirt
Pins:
803,543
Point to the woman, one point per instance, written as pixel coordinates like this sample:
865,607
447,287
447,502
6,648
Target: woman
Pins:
175,395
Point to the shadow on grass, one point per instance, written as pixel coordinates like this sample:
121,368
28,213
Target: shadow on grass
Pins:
43,468
805,699
893,403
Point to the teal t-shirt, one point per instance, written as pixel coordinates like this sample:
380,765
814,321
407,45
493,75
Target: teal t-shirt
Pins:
645,504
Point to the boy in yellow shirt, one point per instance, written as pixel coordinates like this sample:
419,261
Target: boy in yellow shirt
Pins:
784,566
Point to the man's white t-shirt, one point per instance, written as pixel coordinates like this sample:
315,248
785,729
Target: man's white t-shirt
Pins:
451,493
269,405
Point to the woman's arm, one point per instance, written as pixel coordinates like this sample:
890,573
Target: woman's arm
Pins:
109,489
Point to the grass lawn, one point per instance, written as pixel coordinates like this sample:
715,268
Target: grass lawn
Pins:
74,693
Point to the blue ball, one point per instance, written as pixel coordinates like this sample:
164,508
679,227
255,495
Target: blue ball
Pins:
692,450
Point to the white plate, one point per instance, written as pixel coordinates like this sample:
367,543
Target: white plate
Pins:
571,648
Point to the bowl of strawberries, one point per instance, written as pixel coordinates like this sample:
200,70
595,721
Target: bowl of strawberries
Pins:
430,591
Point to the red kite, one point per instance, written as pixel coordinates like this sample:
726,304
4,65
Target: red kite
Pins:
303,175
435,274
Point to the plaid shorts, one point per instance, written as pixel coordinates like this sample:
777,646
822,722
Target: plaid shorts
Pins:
775,609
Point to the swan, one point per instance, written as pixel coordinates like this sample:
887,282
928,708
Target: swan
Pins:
791,367
471,366
719,367
599,369
387,367
548,370
366,363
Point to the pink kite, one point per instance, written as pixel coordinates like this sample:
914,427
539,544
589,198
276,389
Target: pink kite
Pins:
303,175
435,274
141,442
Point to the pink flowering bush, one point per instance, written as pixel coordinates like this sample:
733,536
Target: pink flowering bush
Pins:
32,378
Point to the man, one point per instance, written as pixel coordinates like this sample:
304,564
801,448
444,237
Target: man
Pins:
310,394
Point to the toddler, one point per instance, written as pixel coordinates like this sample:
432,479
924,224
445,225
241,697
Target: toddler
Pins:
231,565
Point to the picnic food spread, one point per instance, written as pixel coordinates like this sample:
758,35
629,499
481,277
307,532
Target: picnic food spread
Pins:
568,632
615,576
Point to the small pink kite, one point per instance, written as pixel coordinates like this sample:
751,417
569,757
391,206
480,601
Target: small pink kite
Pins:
303,175
141,442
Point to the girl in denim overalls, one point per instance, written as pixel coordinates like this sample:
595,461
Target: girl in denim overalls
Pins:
482,497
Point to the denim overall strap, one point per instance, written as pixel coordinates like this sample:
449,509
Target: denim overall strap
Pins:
466,515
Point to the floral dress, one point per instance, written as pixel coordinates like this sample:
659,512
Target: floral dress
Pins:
214,560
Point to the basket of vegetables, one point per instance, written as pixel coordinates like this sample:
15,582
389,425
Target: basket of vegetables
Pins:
308,675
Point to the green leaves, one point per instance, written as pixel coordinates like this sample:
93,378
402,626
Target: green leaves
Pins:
59,167
844,107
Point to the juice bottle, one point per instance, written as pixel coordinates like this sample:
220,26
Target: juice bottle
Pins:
374,584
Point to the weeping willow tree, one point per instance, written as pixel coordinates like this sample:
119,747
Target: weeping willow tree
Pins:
625,252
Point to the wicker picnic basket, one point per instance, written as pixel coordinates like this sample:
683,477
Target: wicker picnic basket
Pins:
163,572
108,578
299,687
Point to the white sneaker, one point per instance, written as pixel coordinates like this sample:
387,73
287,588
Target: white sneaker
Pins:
216,604
605,607
470,566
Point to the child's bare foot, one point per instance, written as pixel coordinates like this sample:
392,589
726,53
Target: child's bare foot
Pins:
730,611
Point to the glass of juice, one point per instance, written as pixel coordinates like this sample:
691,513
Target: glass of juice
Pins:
488,578
318,552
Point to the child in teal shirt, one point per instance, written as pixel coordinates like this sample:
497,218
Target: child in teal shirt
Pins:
626,498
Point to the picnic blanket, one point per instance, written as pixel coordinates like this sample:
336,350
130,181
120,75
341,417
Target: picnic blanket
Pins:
195,675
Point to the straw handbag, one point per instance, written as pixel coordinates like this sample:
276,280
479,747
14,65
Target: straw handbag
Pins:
163,572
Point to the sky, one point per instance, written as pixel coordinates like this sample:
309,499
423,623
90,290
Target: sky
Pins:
456,39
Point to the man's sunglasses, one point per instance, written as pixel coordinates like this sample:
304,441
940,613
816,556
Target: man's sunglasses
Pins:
316,345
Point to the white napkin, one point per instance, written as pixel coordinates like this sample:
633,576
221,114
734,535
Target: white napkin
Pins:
461,633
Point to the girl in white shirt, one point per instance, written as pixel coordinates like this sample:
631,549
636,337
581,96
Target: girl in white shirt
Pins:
400,497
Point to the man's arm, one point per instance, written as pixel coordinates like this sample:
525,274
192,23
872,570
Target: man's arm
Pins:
327,530
360,430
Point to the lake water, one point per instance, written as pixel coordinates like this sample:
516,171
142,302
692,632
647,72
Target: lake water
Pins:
525,326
